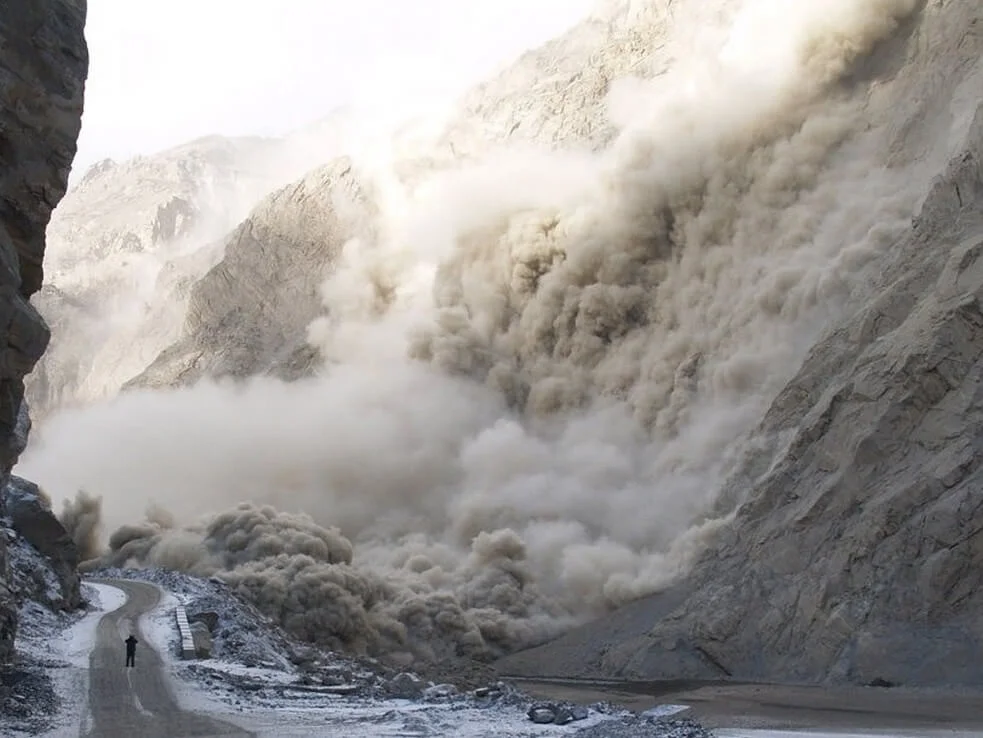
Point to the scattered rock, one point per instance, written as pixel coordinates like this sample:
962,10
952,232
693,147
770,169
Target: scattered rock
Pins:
563,716
541,714
440,692
878,682
556,713
631,725
406,686
679,728
28,702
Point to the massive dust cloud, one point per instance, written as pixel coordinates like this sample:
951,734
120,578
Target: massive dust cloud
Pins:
536,383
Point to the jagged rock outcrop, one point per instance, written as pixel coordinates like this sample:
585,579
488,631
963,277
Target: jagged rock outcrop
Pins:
856,550
31,517
126,245
249,314
43,65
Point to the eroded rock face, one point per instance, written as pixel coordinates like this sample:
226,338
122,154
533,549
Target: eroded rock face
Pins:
43,65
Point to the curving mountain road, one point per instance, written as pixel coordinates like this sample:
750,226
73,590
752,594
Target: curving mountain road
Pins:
137,702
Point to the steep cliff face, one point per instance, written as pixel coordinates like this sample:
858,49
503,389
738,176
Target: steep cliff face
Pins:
249,314
856,551
43,65
557,94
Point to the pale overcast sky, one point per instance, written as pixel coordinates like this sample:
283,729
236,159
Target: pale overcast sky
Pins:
165,72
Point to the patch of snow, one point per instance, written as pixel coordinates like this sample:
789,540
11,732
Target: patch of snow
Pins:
244,635
398,718
160,629
266,682
660,711
77,642
62,644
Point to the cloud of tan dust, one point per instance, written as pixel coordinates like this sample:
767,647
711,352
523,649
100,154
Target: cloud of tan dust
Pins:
537,382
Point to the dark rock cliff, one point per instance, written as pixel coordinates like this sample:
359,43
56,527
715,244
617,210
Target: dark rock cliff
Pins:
43,66
250,313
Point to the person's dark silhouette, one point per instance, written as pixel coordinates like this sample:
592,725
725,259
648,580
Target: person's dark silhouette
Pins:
131,651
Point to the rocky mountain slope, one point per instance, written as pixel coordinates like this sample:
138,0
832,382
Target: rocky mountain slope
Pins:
856,551
553,96
672,329
131,238
43,65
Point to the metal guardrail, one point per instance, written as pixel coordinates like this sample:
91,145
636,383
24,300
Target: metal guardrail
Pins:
184,628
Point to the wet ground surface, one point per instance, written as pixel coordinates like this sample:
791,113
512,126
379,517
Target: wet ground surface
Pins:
780,707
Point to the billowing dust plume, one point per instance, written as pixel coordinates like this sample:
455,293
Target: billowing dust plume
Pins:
536,383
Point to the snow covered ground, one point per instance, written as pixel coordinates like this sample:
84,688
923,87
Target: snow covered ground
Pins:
270,685
60,646
277,700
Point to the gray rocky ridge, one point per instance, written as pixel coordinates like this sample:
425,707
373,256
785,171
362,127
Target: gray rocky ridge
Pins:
43,65
249,314
131,238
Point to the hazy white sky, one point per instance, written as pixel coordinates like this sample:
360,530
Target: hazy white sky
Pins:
165,72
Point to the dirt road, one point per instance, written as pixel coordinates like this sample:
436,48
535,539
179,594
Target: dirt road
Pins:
137,702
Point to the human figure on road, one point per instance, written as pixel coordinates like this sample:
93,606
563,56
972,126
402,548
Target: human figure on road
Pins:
131,650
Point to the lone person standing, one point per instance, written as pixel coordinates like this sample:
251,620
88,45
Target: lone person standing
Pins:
131,650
